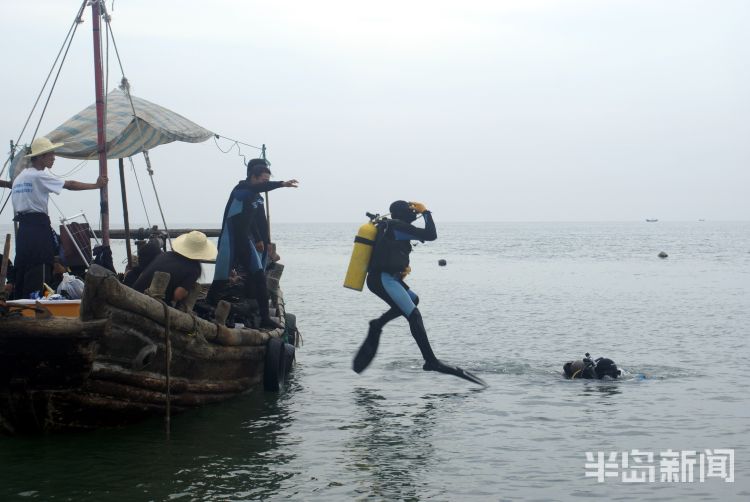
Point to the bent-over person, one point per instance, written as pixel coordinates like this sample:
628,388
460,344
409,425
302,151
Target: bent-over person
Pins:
183,264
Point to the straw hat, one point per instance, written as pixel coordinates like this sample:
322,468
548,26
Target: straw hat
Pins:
42,145
195,245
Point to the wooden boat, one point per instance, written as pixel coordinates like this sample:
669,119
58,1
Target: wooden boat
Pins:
128,357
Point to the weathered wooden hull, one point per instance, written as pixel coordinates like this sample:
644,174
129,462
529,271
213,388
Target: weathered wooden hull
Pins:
109,367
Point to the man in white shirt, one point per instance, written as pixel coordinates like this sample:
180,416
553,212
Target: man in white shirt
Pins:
35,242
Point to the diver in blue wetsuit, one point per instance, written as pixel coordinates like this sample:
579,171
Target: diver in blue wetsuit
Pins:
245,238
388,267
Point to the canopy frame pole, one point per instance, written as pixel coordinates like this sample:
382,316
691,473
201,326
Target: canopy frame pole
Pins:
125,216
101,132
268,202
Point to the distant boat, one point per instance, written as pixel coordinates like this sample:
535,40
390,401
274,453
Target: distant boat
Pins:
652,221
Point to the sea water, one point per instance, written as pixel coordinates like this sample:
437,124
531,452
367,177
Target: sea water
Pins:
514,303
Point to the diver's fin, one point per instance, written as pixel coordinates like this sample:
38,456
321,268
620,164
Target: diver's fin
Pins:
364,357
369,348
441,367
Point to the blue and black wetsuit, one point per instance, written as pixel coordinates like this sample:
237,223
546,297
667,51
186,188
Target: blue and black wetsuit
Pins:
243,225
389,262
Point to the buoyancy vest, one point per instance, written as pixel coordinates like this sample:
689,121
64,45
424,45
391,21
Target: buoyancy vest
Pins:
389,255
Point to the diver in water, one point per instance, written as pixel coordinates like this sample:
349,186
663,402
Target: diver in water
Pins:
244,241
591,369
388,267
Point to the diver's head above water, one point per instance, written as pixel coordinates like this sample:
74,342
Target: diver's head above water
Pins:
402,210
590,369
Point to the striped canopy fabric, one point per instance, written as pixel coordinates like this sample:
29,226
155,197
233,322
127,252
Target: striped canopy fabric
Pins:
127,134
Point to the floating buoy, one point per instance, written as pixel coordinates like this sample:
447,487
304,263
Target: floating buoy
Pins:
662,254
442,262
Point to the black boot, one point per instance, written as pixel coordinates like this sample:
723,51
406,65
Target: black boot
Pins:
216,291
387,317
261,296
420,335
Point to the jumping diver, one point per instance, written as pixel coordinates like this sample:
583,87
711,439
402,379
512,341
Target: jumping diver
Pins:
244,239
388,267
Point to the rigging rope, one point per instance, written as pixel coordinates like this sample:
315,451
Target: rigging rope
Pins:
231,147
6,202
54,82
125,86
140,192
69,35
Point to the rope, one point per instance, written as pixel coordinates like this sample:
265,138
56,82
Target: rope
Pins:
140,192
75,169
235,143
69,35
167,367
156,194
6,202
54,82
125,86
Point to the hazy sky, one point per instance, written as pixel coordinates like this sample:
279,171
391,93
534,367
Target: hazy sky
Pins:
484,110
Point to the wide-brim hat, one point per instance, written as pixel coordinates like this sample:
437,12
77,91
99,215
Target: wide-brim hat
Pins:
195,245
42,145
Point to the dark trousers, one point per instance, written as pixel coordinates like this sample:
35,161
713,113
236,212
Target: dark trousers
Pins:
35,253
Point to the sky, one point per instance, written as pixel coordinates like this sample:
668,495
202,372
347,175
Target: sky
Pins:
485,110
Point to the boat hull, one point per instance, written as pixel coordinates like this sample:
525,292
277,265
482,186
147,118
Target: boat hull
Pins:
109,367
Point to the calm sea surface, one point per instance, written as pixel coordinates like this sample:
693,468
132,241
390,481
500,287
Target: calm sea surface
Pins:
515,302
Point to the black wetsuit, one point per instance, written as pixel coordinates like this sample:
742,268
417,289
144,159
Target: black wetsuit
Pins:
244,224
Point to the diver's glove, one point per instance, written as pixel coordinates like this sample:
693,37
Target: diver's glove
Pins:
417,207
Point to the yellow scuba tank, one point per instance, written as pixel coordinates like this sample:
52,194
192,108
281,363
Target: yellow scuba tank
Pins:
361,254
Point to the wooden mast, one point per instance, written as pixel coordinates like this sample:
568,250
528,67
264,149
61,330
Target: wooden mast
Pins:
101,132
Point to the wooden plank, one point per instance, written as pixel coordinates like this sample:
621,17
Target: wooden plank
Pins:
141,233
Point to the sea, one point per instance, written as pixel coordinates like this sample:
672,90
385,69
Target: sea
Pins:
513,303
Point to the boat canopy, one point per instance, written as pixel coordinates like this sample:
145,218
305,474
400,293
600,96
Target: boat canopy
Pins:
127,134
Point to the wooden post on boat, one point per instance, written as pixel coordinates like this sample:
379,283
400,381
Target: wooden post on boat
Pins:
125,217
268,202
101,131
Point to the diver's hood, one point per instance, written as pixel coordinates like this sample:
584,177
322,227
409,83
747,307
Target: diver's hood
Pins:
401,210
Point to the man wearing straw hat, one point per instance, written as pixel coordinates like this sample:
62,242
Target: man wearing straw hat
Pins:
182,264
35,242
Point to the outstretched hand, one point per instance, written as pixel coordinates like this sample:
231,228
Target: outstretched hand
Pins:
290,184
101,181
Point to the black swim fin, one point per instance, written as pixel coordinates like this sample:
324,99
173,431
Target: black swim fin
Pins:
369,348
441,367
